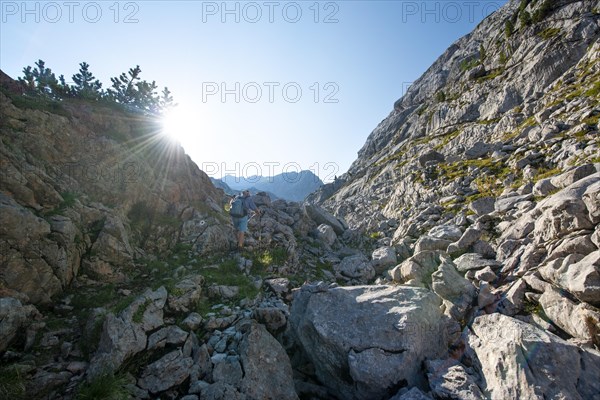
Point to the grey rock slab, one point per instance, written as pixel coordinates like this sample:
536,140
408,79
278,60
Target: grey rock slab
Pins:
507,203
583,278
474,261
378,334
450,380
578,320
518,360
169,371
446,232
266,366
383,258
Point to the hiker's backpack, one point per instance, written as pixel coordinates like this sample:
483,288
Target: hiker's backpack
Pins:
237,207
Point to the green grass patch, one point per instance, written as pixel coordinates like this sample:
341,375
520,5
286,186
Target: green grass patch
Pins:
544,173
265,258
549,33
593,120
444,140
468,64
229,274
138,316
491,171
106,386
68,202
375,235
496,72
594,91
488,121
12,384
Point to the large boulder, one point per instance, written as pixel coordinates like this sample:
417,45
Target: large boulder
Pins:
578,320
383,258
583,278
356,267
266,366
170,370
566,212
365,341
14,320
457,291
320,216
520,361
124,335
417,269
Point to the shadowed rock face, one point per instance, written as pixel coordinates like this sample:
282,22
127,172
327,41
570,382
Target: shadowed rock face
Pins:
89,187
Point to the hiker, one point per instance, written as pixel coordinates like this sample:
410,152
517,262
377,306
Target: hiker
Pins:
239,207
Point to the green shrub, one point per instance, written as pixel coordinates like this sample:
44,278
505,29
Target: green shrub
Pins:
549,33
509,28
468,64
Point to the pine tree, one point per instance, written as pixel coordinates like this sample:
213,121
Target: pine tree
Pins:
509,28
145,97
123,86
166,100
28,80
46,82
86,85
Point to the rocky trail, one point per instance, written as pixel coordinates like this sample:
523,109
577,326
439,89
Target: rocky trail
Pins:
458,258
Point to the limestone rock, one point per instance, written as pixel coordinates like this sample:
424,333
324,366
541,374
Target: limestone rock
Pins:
449,379
356,267
170,370
326,234
185,293
383,258
450,286
425,243
534,364
266,366
376,333
474,261
320,216
578,320
583,278
418,268
124,335
14,319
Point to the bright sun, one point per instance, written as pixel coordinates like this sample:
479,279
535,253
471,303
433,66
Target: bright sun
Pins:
178,123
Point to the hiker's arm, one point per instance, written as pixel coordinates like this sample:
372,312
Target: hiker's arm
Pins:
253,207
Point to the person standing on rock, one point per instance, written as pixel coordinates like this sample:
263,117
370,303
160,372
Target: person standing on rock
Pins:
239,208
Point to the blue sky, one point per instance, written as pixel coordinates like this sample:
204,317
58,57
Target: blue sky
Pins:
263,87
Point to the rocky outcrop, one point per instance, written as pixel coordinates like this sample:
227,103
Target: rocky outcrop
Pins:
488,167
366,342
521,361
92,190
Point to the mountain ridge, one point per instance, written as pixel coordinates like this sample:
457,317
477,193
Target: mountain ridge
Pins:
292,186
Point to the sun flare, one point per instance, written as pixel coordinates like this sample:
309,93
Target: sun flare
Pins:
179,124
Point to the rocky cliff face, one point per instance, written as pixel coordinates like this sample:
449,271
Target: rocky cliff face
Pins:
483,186
466,264
505,105
92,187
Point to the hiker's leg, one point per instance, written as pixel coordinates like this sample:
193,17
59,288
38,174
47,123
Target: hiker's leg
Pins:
243,228
240,239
